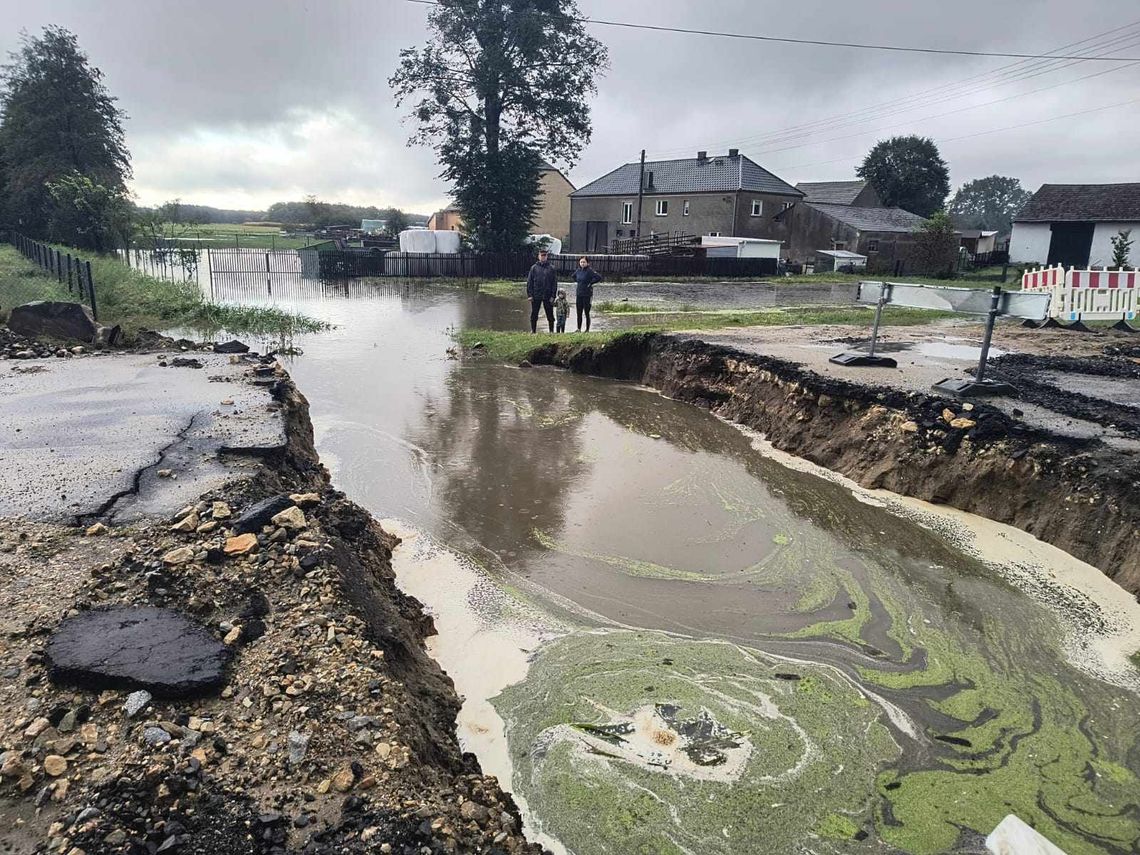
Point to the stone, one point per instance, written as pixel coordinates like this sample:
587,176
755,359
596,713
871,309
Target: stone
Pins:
342,781
232,346
136,702
258,515
948,415
59,320
13,767
470,810
165,473
188,523
243,544
36,728
156,737
1014,837
909,427
55,765
181,555
97,530
292,518
298,746
137,648
305,500
963,423
232,637
220,511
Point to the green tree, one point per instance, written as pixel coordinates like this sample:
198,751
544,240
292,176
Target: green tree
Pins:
395,221
936,246
909,173
988,203
1121,247
56,119
88,215
500,85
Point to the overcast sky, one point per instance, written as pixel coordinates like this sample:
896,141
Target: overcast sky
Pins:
243,103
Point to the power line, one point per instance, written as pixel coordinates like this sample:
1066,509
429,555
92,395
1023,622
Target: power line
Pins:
1012,73
812,42
852,157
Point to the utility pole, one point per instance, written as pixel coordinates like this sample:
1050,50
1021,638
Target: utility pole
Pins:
640,195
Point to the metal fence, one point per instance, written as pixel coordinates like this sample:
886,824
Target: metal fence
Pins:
75,271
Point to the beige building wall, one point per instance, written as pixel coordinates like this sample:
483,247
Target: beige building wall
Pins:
553,217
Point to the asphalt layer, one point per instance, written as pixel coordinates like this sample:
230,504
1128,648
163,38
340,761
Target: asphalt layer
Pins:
85,438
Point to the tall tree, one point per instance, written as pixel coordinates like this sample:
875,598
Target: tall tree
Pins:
395,221
56,119
87,214
500,85
988,203
909,173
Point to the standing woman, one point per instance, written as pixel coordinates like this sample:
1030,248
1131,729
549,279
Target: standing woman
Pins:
585,277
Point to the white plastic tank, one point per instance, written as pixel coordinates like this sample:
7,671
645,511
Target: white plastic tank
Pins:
552,243
417,240
447,242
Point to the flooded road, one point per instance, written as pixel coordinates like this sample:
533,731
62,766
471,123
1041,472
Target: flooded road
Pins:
671,641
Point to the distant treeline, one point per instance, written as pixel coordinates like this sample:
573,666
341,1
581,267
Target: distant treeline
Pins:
308,213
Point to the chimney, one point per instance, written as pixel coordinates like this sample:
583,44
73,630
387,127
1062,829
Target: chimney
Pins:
702,156
733,152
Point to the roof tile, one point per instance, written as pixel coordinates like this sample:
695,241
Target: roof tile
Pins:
1082,203
713,175
871,219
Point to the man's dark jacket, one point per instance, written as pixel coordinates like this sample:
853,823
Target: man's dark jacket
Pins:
542,282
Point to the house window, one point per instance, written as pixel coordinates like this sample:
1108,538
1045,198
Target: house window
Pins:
873,245
714,234
620,232
685,208
838,244
627,213
662,207
757,207
788,205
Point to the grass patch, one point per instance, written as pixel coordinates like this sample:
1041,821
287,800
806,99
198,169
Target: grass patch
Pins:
136,301
232,235
516,346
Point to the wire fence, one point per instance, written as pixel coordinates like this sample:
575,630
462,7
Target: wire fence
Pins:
75,271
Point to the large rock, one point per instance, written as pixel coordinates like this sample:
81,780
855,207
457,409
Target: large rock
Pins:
60,320
137,648
256,516
232,346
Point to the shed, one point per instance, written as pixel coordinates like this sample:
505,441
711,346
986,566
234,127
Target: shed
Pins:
843,260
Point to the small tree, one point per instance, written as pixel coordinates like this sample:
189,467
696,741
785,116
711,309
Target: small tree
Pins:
1121,247
936,246
395,221
86,214
907,172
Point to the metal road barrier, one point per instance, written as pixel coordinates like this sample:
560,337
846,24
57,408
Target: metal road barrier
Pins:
1030,306
1087,295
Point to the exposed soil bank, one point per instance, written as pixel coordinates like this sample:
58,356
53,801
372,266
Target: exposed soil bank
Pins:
334,733
1079,495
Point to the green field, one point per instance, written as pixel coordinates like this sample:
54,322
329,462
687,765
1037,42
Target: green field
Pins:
229,235
136,301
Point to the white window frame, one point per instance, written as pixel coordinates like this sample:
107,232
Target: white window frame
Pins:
626,213
685,208
757,207
662,209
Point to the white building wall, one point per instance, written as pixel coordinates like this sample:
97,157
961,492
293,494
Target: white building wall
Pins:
1029,243
1101,253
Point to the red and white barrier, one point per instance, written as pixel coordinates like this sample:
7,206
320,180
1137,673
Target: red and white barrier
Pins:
1091,295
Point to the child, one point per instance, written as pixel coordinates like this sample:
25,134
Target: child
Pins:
561,310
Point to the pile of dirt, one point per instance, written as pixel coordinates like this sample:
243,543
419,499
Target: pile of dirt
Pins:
332,730
1076,494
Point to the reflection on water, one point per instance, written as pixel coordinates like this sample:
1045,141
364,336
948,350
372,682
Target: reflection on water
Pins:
893,692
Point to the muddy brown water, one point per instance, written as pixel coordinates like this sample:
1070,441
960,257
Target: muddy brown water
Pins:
611,508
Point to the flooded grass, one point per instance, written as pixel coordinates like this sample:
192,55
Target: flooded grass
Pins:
136,301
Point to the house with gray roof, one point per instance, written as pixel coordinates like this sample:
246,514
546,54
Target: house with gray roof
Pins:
847,215
857,193
728,195
1073,224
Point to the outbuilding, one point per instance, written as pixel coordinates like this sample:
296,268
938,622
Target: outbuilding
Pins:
1073,224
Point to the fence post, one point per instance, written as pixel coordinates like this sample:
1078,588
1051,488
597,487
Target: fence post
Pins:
91,291
268,278
69,273
58,266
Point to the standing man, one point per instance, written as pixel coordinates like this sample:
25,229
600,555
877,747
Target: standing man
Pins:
541,286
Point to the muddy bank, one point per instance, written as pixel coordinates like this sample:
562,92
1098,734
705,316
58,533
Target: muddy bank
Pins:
333,731
1078,495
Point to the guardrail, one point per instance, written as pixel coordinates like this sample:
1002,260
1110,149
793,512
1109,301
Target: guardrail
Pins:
66,267
1087,295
